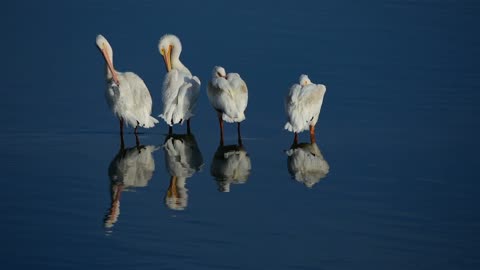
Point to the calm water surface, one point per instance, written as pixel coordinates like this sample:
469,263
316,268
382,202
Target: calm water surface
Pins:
395,179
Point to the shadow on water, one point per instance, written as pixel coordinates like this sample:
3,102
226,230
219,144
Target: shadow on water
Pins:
306,163
182,160
230,165
130,168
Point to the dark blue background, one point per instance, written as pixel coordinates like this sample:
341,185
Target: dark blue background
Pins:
398,127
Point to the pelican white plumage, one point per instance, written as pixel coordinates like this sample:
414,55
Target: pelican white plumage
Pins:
303,105
182,159
228,94
180,89
306,163
127,95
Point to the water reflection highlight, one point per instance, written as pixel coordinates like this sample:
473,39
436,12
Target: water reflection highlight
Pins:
182,160
306,163
230,165
130,168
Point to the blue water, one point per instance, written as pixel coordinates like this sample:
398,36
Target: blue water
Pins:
398,130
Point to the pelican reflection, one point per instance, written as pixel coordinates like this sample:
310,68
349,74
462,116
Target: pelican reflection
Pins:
306,163
230,165
130,168
182,160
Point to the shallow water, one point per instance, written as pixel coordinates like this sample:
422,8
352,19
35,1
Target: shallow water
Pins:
396,186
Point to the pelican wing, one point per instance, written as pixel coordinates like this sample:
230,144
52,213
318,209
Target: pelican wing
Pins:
291,101
134,101
229,96
142,97
191,97
293,94
303,106
311,97
239,91
219,94
171,87
180,94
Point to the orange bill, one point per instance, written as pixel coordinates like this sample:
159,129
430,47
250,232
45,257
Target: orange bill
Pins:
110,65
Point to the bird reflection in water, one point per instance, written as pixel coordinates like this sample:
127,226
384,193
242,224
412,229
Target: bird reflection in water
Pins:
182,160
130,168
306,163
230,165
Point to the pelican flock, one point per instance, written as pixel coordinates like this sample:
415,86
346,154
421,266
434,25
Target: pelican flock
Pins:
130,101
228,94
180,89
303,104
127,95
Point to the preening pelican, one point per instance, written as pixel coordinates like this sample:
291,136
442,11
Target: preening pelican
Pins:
306,163
126,94
180,89
228,95
182,159
303,105
130,168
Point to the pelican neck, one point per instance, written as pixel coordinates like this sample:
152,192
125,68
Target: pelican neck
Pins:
177,64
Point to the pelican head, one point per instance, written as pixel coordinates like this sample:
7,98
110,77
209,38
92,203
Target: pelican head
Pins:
170,48
219,72
304,80
106,49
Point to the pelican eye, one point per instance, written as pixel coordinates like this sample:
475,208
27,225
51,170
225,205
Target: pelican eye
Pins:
219,75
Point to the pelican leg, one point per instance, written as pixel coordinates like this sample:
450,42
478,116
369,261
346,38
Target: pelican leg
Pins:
295,139
220,122
312,134
188,127
122,143
137,140
239,135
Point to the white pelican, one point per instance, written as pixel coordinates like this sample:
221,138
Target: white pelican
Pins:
182,160
303,105
130,168
126,94
228,95
306,163
230,165
180,89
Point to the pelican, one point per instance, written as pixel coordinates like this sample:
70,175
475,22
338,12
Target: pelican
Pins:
130,168
127,95
303,105
180,89
228,95
306,164
182,159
